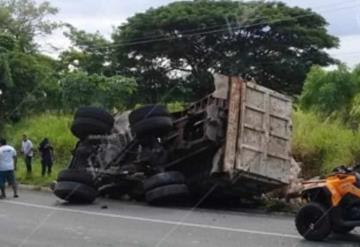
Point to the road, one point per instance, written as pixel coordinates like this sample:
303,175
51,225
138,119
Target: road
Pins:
39,219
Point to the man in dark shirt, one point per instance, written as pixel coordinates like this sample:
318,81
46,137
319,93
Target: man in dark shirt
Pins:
47,156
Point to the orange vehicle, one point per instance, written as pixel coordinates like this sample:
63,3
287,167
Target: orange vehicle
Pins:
333,205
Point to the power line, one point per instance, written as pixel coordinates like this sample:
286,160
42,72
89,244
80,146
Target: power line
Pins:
226,25
207,31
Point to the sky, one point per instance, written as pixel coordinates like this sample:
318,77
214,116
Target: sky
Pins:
343,17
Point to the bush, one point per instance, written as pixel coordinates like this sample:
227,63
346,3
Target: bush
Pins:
321,145
321,90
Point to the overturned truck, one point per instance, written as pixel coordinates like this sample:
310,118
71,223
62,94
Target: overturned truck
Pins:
234,142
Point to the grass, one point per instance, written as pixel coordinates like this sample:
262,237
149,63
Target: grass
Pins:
53,126
35,178
321,145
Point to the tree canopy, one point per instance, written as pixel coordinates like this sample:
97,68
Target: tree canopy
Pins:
80,89
268,41
333,93
321,90
25,19
88,52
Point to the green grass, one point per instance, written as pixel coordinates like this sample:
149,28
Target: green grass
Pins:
321,145
35,178
53,126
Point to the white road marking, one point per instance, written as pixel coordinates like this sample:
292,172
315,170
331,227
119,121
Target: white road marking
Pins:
151,220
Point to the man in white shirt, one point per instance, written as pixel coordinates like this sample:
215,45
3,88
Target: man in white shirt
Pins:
27,150
7,167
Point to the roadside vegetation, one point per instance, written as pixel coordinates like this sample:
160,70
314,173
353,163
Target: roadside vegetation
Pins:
53,126
322,144
326,129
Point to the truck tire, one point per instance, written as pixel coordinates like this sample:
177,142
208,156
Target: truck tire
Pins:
75,192
95,113
147,111
313,222
167,193
156,126
83,151
79,176
164,178
83,127
342,229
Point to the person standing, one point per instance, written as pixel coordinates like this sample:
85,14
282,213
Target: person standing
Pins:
7,167
27,150
47,156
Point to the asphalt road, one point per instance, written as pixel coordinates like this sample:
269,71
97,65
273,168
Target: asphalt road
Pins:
39,219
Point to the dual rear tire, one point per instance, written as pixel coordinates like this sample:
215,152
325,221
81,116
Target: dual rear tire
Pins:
152,120
75,186
166,187
91,121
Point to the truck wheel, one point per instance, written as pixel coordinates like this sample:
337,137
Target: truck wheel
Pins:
313,222
164,178
83,127
83,150
156,126
147,111
79,176
341,229
75,192
94,113
168,193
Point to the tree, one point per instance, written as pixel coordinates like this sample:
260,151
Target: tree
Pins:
334,94
47,95
268,41
329,92
26,77
89,52
6,45
80,89
27,81
25,19
6,80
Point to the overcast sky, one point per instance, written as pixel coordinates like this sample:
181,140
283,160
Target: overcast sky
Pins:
102,15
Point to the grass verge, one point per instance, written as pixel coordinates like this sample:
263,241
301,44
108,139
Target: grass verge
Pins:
57,129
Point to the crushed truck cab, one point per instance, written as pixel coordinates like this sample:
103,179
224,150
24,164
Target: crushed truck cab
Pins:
234,142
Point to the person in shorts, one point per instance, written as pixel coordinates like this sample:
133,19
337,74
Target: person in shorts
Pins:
7,167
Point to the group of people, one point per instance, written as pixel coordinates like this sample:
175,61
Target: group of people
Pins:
8,161
46,153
